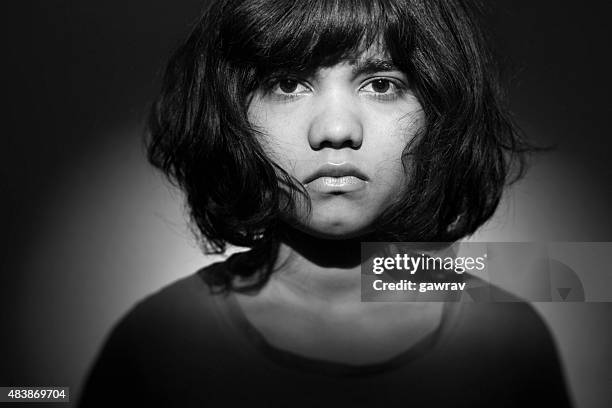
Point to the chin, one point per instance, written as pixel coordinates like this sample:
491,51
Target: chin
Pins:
337,229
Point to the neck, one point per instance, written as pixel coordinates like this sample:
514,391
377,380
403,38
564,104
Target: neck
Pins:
322,268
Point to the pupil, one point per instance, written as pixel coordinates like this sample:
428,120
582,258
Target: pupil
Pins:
380,85
288,85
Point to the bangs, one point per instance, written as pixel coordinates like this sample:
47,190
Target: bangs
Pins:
306,35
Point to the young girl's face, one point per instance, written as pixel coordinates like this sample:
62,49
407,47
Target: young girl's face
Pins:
340,132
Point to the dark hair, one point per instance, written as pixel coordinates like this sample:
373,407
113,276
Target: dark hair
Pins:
199,134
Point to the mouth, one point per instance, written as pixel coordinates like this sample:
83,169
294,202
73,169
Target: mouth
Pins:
336,178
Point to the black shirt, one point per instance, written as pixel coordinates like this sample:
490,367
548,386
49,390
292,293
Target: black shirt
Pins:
184,346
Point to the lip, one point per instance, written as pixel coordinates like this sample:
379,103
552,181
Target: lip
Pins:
336,170
336,178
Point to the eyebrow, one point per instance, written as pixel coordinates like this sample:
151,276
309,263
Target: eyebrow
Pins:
361,66
372,65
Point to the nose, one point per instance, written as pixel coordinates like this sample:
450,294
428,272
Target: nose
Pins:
336,124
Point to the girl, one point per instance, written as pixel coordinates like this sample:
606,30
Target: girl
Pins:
300,129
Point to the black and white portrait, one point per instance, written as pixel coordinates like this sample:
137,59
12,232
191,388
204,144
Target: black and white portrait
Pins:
308,203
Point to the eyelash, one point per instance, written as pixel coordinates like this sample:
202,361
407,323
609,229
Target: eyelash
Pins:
273,83
398,89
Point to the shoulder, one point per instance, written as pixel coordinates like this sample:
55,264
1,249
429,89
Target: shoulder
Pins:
157,338
175,306
507,336
500,317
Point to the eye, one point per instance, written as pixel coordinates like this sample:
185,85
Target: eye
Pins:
288,87
383,88
380,85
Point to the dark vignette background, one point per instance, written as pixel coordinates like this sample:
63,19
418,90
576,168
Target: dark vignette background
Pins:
88,228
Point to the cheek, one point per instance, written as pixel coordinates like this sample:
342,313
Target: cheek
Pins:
389,145
277,135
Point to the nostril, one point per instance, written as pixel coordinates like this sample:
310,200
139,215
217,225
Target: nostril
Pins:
348,143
